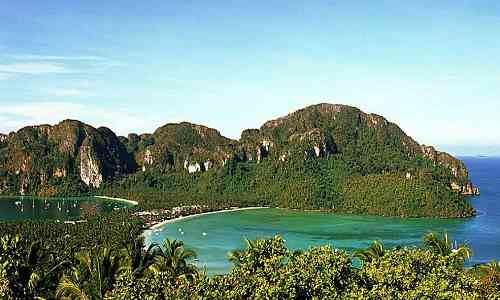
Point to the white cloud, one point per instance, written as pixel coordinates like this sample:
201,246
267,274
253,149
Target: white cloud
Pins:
33,68
58,57
64,92
15,116
5,76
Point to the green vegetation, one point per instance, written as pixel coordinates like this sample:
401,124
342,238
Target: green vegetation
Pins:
265,269
325,156
329,183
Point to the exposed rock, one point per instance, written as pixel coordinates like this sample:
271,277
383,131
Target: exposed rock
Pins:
67,150
324,108
315,143
194,168
457,168
470,190
90,170
60,172
148,159
191,142
456,187
24,186
259,153
71,149
208,165
263,149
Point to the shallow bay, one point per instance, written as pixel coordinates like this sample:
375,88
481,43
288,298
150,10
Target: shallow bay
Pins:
29,208
213,236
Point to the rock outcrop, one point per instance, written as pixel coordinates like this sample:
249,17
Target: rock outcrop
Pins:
187,146
70,150
457,167
314,143
90,167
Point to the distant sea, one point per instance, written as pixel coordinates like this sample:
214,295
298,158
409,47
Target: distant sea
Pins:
213,236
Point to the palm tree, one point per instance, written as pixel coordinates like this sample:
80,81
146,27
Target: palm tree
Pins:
489,275
29,272
372,253
491,267
93,276
444,247
236,256
173,259
137,259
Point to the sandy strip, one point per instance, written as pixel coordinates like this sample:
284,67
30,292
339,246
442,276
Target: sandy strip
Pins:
161,224
118,199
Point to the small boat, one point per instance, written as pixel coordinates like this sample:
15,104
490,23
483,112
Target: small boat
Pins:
18,203
204,234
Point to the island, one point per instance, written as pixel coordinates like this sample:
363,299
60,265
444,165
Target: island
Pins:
323,157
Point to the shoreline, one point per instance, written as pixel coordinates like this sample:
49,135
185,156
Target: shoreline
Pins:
118,199
161,224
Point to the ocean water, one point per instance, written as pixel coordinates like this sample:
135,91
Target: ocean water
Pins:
29,208
213,236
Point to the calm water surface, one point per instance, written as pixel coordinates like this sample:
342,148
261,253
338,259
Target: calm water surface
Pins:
28,208
213,236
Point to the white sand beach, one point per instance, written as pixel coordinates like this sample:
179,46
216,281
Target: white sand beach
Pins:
161,224
118,199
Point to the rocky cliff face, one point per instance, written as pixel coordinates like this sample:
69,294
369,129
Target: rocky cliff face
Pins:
182,147
324,129
44,155
36,156
461,182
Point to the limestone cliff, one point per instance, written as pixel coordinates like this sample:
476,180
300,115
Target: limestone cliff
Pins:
325,129
461,182
182,147
72,153
38,156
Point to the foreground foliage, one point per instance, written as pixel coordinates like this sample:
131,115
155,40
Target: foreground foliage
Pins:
265,269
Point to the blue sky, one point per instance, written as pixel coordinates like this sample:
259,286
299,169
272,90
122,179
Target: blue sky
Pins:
433,67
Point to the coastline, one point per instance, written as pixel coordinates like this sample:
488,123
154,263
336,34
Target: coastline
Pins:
118,199
161,224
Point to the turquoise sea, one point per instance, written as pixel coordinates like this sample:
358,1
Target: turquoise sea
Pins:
29,208
213,236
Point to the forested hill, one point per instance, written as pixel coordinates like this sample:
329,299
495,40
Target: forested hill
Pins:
321,157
